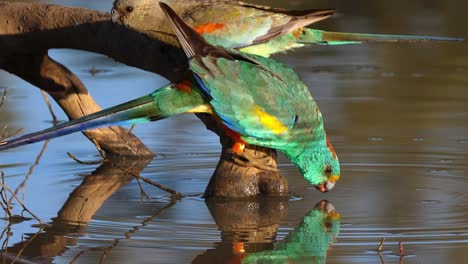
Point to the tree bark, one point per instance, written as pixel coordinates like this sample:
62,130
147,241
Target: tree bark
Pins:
29,30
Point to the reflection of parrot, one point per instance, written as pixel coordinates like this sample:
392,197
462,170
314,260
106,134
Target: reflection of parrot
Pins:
258,100
255,29
307,243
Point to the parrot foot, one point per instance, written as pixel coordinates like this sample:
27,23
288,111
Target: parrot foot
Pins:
248,160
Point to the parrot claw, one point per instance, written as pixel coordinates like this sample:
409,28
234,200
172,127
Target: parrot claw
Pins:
248,160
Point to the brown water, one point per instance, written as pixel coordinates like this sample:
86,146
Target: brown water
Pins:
397,115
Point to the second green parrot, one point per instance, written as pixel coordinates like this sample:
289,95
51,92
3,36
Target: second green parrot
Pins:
255,29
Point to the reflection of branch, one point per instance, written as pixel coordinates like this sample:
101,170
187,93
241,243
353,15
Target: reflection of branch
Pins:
127,235
25,245
4,187
4,248
46,99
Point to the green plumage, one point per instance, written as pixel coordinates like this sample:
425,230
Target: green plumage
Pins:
262,100
307,243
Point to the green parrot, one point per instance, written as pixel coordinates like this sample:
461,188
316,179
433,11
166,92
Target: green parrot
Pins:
255,29
310,242
258,100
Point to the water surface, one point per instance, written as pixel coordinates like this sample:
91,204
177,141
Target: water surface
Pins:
396,114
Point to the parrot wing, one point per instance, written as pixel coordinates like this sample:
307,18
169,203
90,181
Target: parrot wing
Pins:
237,24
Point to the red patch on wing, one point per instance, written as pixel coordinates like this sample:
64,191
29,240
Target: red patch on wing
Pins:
184,86
297,33
208,28
330,147
239,143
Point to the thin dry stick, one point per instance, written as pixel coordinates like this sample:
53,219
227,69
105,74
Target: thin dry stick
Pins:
2,101
175,195
380,248
21,203
400,246
4,134
143,194
3,194
47,101
31,170
73,157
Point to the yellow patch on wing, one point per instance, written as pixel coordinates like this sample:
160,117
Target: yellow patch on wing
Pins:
202,109
269,121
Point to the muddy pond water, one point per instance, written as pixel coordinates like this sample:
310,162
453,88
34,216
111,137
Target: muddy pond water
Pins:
396,113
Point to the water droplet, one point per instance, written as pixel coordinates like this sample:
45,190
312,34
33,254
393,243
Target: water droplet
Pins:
418,139
375,138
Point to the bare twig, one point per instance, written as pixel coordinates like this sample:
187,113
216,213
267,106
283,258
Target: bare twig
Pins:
175,195
4,134
98,146
73,157
2,101
143,194
49,105
132,128
3,194
31,169
19,201
380,248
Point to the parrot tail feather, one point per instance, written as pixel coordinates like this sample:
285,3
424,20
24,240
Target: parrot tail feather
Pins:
164,102
310,36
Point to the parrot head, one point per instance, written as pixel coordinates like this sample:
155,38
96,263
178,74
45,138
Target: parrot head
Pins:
134,13
320,166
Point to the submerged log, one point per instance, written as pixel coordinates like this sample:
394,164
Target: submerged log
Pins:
29,30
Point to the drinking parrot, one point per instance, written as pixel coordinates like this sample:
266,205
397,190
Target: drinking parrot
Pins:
258,100
255,29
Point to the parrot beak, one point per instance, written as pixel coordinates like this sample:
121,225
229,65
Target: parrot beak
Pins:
322,187
328,185
325,206
115,16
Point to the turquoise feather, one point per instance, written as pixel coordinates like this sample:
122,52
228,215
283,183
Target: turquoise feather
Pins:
310,242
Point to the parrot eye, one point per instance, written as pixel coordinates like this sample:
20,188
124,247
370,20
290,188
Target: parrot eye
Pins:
328,170
129,9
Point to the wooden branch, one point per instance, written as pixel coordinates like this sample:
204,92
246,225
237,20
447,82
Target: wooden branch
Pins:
28,30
